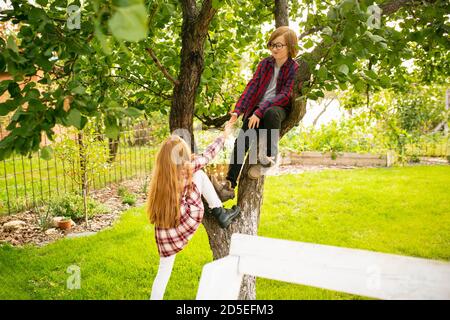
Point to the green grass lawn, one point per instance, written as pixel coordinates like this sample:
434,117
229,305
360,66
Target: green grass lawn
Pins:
395,210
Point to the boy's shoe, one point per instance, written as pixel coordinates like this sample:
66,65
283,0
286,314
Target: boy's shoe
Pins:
269,161
257,170
225,216
224,190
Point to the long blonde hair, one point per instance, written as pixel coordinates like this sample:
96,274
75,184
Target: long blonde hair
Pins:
171,173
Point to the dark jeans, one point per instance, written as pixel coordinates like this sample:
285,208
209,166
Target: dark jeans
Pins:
266,137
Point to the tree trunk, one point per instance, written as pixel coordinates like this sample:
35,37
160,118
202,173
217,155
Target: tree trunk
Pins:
281,13
83,174
250,195
113,147
194,31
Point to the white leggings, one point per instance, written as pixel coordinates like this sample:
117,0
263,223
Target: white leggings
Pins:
206,188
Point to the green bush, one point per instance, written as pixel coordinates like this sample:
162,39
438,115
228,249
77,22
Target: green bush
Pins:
72,205
122,191
414,158
44,218
127,197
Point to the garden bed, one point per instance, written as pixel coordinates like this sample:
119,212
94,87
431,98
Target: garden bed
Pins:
28,230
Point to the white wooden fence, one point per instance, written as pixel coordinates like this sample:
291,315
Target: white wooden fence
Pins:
361,272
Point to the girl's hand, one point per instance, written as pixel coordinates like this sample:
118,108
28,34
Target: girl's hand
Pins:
233,118
253,122
228,128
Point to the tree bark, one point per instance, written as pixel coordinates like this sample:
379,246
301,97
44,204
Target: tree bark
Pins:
194,31
281,13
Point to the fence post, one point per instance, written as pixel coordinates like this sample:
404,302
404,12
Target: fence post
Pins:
220,280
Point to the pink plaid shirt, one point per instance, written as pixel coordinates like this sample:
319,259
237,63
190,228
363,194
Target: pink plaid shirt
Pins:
172,240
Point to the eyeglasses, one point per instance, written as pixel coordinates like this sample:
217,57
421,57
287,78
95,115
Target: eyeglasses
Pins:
276,45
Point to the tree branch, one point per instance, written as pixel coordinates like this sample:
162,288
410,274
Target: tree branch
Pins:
161,67
310,31
205,16
213,122
160,94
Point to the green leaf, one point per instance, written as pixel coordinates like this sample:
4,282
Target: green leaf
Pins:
328,31
322,73
308,44
360,86
346,6
14,90
125,3
332,14
2,63
133,112
216,4
35,105
44,62
74,118
343,86
344,69
129,23
47,153
11,44
111,129
7,107
4,85
78,90
104,40
207,73
385,81
371,74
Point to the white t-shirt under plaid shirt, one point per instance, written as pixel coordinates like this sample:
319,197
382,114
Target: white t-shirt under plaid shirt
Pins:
172,240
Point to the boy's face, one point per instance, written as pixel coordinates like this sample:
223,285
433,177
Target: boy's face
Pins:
279,48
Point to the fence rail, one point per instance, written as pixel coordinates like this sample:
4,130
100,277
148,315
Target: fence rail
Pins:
354,271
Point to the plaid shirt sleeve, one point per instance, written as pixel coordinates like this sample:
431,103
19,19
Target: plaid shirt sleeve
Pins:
210,152
282,98
250,90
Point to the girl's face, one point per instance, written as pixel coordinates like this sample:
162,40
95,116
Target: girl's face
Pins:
279,48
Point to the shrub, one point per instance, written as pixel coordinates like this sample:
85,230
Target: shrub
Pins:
127,197
72,206
414,158
44,218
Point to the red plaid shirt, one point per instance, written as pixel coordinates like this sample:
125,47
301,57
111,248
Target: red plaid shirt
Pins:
172,240
257,86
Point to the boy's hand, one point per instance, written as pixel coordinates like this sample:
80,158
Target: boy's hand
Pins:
253,122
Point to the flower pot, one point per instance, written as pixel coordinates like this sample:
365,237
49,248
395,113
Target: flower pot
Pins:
65,224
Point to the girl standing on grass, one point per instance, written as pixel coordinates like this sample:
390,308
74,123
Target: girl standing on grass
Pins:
174,201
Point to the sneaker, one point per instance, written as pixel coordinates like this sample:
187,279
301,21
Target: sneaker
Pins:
225,216
257,170
269,162
224,190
